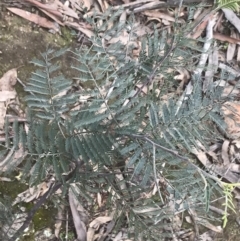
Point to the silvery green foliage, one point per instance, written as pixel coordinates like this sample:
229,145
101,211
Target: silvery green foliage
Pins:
116,129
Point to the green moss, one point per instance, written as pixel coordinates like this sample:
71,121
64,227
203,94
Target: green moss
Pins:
11,189
44,217
67,35
65,39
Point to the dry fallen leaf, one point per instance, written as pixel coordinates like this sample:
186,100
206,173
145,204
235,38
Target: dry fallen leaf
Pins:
207,224
43,22
199,29
226,38
95,225
32,193
7,92
55,7
208,236
227,68
7,95
81,4
122,38
5,179
13,159
231,113
99,199
231,47
184,77
89,33
161,15
232,18
234,153
80,218
10,228
225,156
8,80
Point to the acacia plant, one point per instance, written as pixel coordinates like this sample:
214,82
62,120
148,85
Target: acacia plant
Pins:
129,123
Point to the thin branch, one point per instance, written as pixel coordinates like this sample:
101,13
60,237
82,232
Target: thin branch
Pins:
173,152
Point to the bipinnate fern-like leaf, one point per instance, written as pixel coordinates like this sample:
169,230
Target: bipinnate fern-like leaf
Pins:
122,129
46,89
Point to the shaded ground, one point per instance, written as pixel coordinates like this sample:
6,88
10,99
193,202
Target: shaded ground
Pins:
20,41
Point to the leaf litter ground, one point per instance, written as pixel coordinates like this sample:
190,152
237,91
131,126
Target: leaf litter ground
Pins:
20,42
